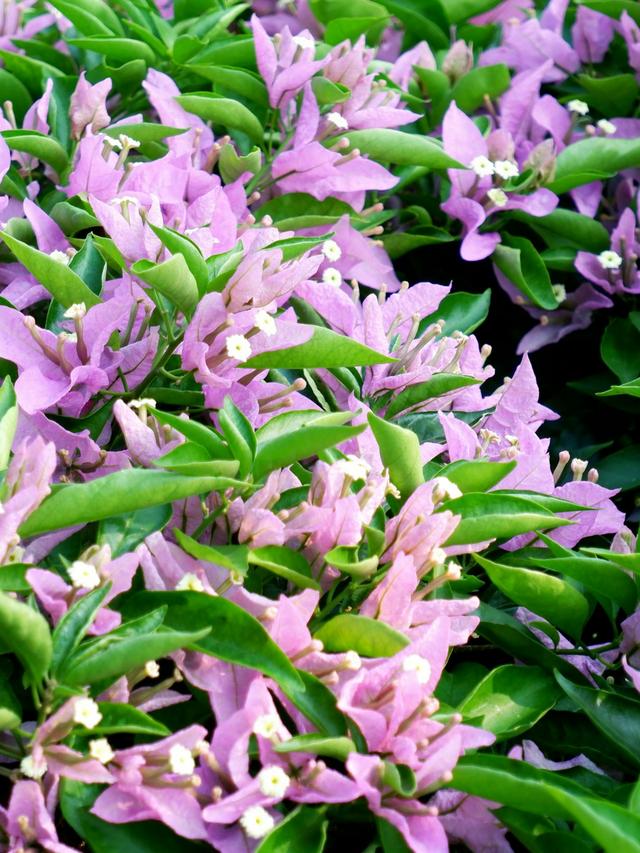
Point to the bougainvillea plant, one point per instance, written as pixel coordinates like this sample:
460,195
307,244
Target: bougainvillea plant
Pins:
283,566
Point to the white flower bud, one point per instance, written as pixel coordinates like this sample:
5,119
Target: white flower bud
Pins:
419,665
181,760
86,713
83,575
257,822
100,749
273,782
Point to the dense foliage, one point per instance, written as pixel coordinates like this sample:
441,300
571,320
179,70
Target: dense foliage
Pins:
283,565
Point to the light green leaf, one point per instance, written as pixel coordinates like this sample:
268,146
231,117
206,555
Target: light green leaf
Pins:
26,633
324,349
223,111
403,149
369,637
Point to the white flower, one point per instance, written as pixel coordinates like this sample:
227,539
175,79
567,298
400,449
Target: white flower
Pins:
152,669
607,127
265,322
238,347
331,250
610,260
305,42
142,403
83,575
60,257
181,760
190,582
86,713
506,169
352,660
266,725
438,556
578,106
273,782
444,490
354,467
560,292
257,822
29,768
419,665
76,311
127,141
338,120
482,166
332,276
498,197
100,749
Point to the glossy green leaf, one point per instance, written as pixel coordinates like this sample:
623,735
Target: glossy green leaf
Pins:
15,91
476,475
324,349
472,88
63,283
462,312
246,84
282,450
461,10
546,595
614,8
179,244
400,452
234,558
144,132
621,470
10,710
518,260
25,633
44,148
196,432
601,577
8,420
305,828
613,95
510,699
118,49
617,829
90,17
119,717
566,228
123,533
630,389
333,747
436,386
403,149
620,349
114,494
238,434
173,279
346,560
192,459
369,637
286,563
75,623
592,159
223,111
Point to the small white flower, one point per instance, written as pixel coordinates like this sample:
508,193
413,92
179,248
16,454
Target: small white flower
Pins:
273,782
482,166
338,120
142,403
438,556
498,197
331,250
305,42
152,669
607,127
76,311
265,322
181,760
238,347
127,141
86,713
419,665
83,575
578,106
60,257
257,822
332,276
111,142
352,660
354,467
560,292
444,490
266,725
29,768
190,582
610,260
100,749
454,570
506,169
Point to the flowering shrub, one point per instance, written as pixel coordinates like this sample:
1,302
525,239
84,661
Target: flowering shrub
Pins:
282,565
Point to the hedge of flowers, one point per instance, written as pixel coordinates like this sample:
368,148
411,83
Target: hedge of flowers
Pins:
284,566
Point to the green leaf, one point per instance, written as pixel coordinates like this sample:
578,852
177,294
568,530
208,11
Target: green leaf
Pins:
29,71
630,389
476,475
113,659
436,88
621,470
74,625
613,95
25,632
123,533
614,8
518,260
231,165
346,559
118,717
113,495
236,636
315,744
239,435
550,597
196,432
497,516
461,10
617,716
564,228
247,84
8,420
63,283
592,159
286,563
329,93
510,699
192,459
620,349
324,349
13,90
223,111
144,132
318,704
44,148
118,49
76,799
304,829
234,558
462,312
400,452
173,279
10,710
368,637
309,440
404,149
437,386
89,16
472,88
617,829
601,577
